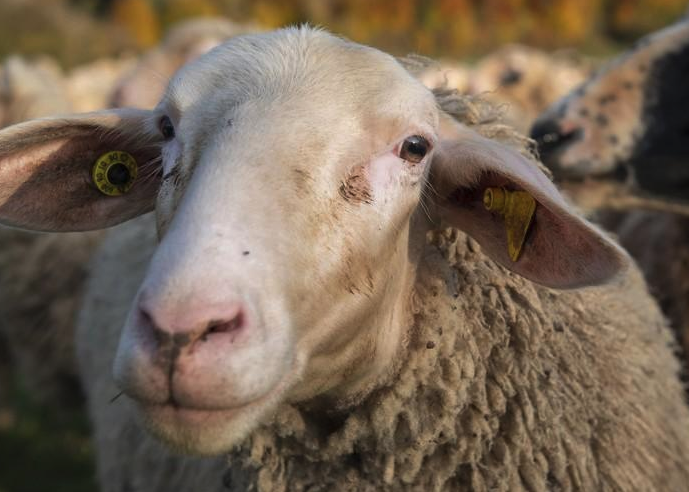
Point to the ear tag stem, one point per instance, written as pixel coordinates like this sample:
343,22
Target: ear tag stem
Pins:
114,172
518,208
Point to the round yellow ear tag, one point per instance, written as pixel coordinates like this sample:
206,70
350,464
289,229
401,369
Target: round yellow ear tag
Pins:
114,172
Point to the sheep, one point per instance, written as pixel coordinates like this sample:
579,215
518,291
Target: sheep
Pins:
332,295
627,120
619,142
523,80
31,89
90,86
142,86
526,80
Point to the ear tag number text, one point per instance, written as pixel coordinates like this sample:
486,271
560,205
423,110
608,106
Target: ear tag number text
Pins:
114,172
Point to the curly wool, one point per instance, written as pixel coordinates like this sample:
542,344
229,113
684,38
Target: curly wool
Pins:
506,386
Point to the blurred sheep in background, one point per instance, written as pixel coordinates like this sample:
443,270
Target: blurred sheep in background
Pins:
142,86
525,80
90,86
31,89
620,142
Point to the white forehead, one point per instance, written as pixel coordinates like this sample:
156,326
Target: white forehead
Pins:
303,65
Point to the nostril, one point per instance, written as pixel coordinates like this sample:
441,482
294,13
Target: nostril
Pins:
145,319
168,325
145,322
223,326
545,132
550,139
510,77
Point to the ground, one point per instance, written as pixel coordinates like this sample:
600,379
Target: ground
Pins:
42,450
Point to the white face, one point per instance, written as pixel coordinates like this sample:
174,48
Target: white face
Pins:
289,181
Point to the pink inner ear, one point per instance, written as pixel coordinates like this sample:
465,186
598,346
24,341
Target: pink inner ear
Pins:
561,250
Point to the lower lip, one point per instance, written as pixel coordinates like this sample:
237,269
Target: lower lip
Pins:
186,416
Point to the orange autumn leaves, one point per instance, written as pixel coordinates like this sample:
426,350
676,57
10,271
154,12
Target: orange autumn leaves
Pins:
440,27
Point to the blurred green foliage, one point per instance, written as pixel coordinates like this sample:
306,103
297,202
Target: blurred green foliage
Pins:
42,449
75,31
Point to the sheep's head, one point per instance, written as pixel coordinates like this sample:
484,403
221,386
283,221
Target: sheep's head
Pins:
629,122
524,79
299,174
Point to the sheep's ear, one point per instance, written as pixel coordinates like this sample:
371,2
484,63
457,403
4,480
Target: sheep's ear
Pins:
47,178
534,233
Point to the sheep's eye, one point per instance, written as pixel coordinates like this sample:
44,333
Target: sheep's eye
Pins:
414,149
510,77
166,128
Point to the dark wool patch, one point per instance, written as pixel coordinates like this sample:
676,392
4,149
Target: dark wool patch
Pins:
660,155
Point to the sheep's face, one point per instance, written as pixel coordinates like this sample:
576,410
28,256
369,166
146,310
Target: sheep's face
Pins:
524,80
629,121
289,203
291,166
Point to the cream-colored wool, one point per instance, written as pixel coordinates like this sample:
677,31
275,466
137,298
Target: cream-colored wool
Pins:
506,386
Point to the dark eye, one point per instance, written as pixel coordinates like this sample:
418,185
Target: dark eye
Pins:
510,77
166,128
414,149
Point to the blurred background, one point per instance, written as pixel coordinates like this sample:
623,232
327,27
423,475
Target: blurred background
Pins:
80,55
77,31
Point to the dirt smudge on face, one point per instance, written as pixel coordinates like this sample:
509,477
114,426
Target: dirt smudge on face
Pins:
356,187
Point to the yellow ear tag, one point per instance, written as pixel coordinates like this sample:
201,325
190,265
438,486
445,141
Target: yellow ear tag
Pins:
518,208
114,172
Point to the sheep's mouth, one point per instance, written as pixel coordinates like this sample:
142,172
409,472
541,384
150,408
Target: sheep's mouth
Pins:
553,144
174,414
